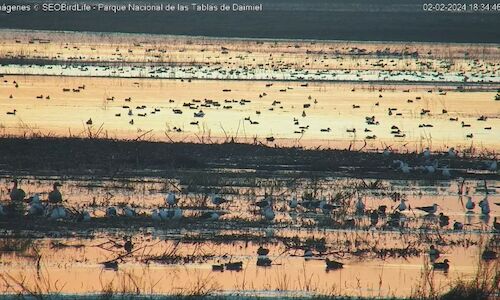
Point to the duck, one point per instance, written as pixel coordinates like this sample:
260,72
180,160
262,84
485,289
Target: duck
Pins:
485,206
16,194
111,212
262,251
489,255
433,253
443,220
470,205
443,266
55,195
128,246
218,268
458,226
218,200
234,266
264,261
308,253
428,209
333,265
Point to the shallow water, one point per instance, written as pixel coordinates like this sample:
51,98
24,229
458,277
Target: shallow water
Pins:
66,113
171,258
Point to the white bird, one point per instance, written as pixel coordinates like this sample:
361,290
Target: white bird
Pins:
268,213
427,153
85,216
36,207
164,214
155,215
171,199
452,153
360,206
177,214
485,206
293,203
446,172
111,211
58,213
469,204
493,166
129,212
402,205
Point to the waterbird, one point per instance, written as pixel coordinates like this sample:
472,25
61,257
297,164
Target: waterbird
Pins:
111,212
171,199
155,215
16,194
218,200
485,206
129,212
470,205
12,112
84,216
268,213
433,253
496,225
374,218
443,220
333,265
234,266
264,261
211,215
58,212
308,253
458,226
428,209
89,121
360,206
427,153
443,266
262,251
402,205
36,207
128,246
446,172
489,255
452,153
55,195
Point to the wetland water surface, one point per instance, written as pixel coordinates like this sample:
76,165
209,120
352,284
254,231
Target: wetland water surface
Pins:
176,257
